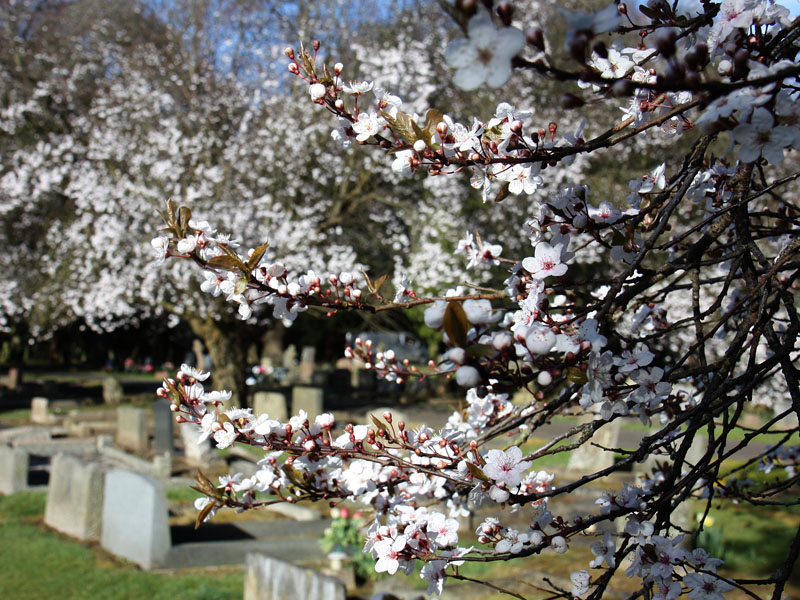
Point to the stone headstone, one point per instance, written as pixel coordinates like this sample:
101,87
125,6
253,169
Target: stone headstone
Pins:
75,497
40,411
289,357
271,403
132,428
306,370
112,391
268,578
308,399
14,464
790,421
162,427
135,525
14,379
589,458
196,454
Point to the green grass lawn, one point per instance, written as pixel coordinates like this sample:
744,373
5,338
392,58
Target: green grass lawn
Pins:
39,563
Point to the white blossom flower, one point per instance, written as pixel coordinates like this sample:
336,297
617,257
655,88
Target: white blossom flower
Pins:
485,56
506,466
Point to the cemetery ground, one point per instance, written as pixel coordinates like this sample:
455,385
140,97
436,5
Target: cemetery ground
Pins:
39,561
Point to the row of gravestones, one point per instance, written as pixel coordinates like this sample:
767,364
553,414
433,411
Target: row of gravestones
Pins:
127,513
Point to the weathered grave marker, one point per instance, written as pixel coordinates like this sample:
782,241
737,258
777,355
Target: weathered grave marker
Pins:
268,578
112,391
14,464
307,398
132,428
589,458
162,427
271,403
135,525
75,497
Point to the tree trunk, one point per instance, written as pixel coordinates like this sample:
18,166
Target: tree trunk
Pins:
227,344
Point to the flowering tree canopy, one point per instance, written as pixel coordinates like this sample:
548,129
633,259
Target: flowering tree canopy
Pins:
673,302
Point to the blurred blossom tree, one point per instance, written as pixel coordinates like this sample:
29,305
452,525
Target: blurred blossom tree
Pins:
674,302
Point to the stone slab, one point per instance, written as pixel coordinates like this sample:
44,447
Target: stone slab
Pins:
135,525
75,497
268,578
160,467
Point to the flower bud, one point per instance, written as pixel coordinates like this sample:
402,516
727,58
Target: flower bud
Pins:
293,69
289,52
337,69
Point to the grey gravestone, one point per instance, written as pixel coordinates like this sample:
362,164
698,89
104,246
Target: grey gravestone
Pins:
271,403
162,426
75,497
306,370
112,391
132,428
14,379
308,399
14,464
289,357
790,421
40,411
135,525
269,578
590,459
196,454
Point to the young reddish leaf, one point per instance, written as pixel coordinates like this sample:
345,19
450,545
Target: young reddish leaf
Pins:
203,514
257,255
456,324
476,471
378,423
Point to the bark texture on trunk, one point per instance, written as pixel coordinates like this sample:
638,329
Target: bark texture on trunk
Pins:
227,344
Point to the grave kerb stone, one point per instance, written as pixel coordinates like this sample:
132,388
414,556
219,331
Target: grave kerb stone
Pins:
135,525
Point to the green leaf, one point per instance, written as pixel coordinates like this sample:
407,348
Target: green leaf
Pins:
295,476
456,324
575,375
479,350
